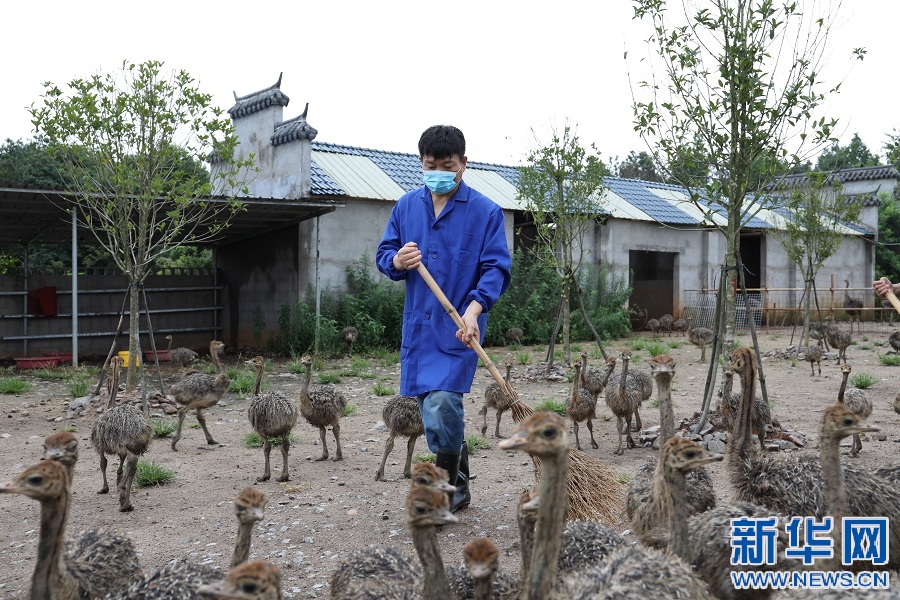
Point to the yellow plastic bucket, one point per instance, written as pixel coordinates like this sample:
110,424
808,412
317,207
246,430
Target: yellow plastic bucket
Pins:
125,355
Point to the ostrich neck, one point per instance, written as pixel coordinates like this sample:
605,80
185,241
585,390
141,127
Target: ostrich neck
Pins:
608,374
666,414
526,541
113,387
837,504
484,588
843,388
508,371
304,391
214,355
242,544
576,384
550,522
742,428
624,376
429,551
674,484
258,385
50,574
169,347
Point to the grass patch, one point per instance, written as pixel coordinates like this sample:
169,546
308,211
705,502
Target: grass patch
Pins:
358,363
862,380
254,441
595,353
242,381
673,344
625,478
389,360
151,473
889,360
350,410
14,385
163,427
655,403
425,457
296,367
523,358
576,348
865,346
655,349
552,405
45,373
69,428
880,344
78,387
494,358
636,343
328,377
383,390
558,354
476,442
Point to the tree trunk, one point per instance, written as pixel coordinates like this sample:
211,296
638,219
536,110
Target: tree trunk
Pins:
567,319
550,346
587,320
730,297
134,345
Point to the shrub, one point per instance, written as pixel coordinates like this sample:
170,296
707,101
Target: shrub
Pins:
350,410
151,473
328,377
523,358
425,457
383,390
655,349
78,387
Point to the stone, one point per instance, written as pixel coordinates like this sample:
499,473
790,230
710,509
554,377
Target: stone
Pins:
716,445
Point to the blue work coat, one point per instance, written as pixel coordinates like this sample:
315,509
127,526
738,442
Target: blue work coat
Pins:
465,251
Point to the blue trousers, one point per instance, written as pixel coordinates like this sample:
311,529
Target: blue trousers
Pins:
442,415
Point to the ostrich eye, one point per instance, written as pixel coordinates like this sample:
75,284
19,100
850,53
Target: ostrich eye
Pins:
240,507
249,587
36,480
848,421
420,510
422,480
690,453
549,432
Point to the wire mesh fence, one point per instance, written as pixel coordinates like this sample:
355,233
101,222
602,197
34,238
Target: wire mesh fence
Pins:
785,307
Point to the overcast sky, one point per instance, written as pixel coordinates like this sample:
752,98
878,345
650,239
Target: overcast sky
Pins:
377,73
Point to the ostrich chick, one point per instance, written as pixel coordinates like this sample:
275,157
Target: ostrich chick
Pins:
255,580
321,406
813,355
496,399
62,447
199,391
272,415
181,356
402,417
581,406
349,335
856,401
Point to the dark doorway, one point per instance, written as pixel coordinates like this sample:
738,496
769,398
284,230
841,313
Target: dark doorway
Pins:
751,256
653,284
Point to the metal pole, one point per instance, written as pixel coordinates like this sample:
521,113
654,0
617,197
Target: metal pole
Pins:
318,294
74,286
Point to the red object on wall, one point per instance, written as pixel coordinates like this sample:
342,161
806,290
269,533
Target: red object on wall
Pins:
42,302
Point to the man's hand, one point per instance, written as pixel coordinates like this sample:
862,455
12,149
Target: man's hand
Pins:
470,320
883,286
408,257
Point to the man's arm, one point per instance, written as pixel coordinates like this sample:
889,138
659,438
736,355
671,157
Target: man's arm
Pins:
883,286
390,248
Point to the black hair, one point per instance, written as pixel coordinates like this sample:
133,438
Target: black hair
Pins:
442,141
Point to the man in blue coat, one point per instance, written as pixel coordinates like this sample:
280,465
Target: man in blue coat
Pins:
458,234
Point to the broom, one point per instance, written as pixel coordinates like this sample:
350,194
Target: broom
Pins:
595,492
893,299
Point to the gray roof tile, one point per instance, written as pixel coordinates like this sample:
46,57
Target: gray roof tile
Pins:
257,101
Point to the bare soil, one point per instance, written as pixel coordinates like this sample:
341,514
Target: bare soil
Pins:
330,508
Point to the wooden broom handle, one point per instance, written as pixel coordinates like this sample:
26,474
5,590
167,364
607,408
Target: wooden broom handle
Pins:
451,310
893,298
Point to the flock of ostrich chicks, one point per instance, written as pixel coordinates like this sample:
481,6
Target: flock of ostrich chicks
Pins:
682,527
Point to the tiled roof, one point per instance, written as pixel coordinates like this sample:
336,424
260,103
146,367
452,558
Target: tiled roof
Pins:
294,129
255,102
844,175
625,198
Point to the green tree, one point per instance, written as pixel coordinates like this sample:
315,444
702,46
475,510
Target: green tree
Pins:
814,227
29,165
892,148
562,187
740,78
637,165
887,250
127,143
854,154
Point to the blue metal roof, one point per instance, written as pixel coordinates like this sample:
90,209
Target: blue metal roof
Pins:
663,205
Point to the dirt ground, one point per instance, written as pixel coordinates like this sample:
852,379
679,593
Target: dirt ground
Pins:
329,508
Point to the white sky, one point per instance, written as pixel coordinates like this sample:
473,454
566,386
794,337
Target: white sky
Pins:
377,73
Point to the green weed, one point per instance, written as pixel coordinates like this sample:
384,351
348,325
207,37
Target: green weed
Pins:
863,380
476,442
889,360
552,405
383,390
523,358
254,441
350,410
151,473
163,427
328,378
78,387
655,349
14,385
425,457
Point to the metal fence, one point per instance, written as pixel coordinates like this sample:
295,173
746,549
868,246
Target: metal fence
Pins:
781,307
